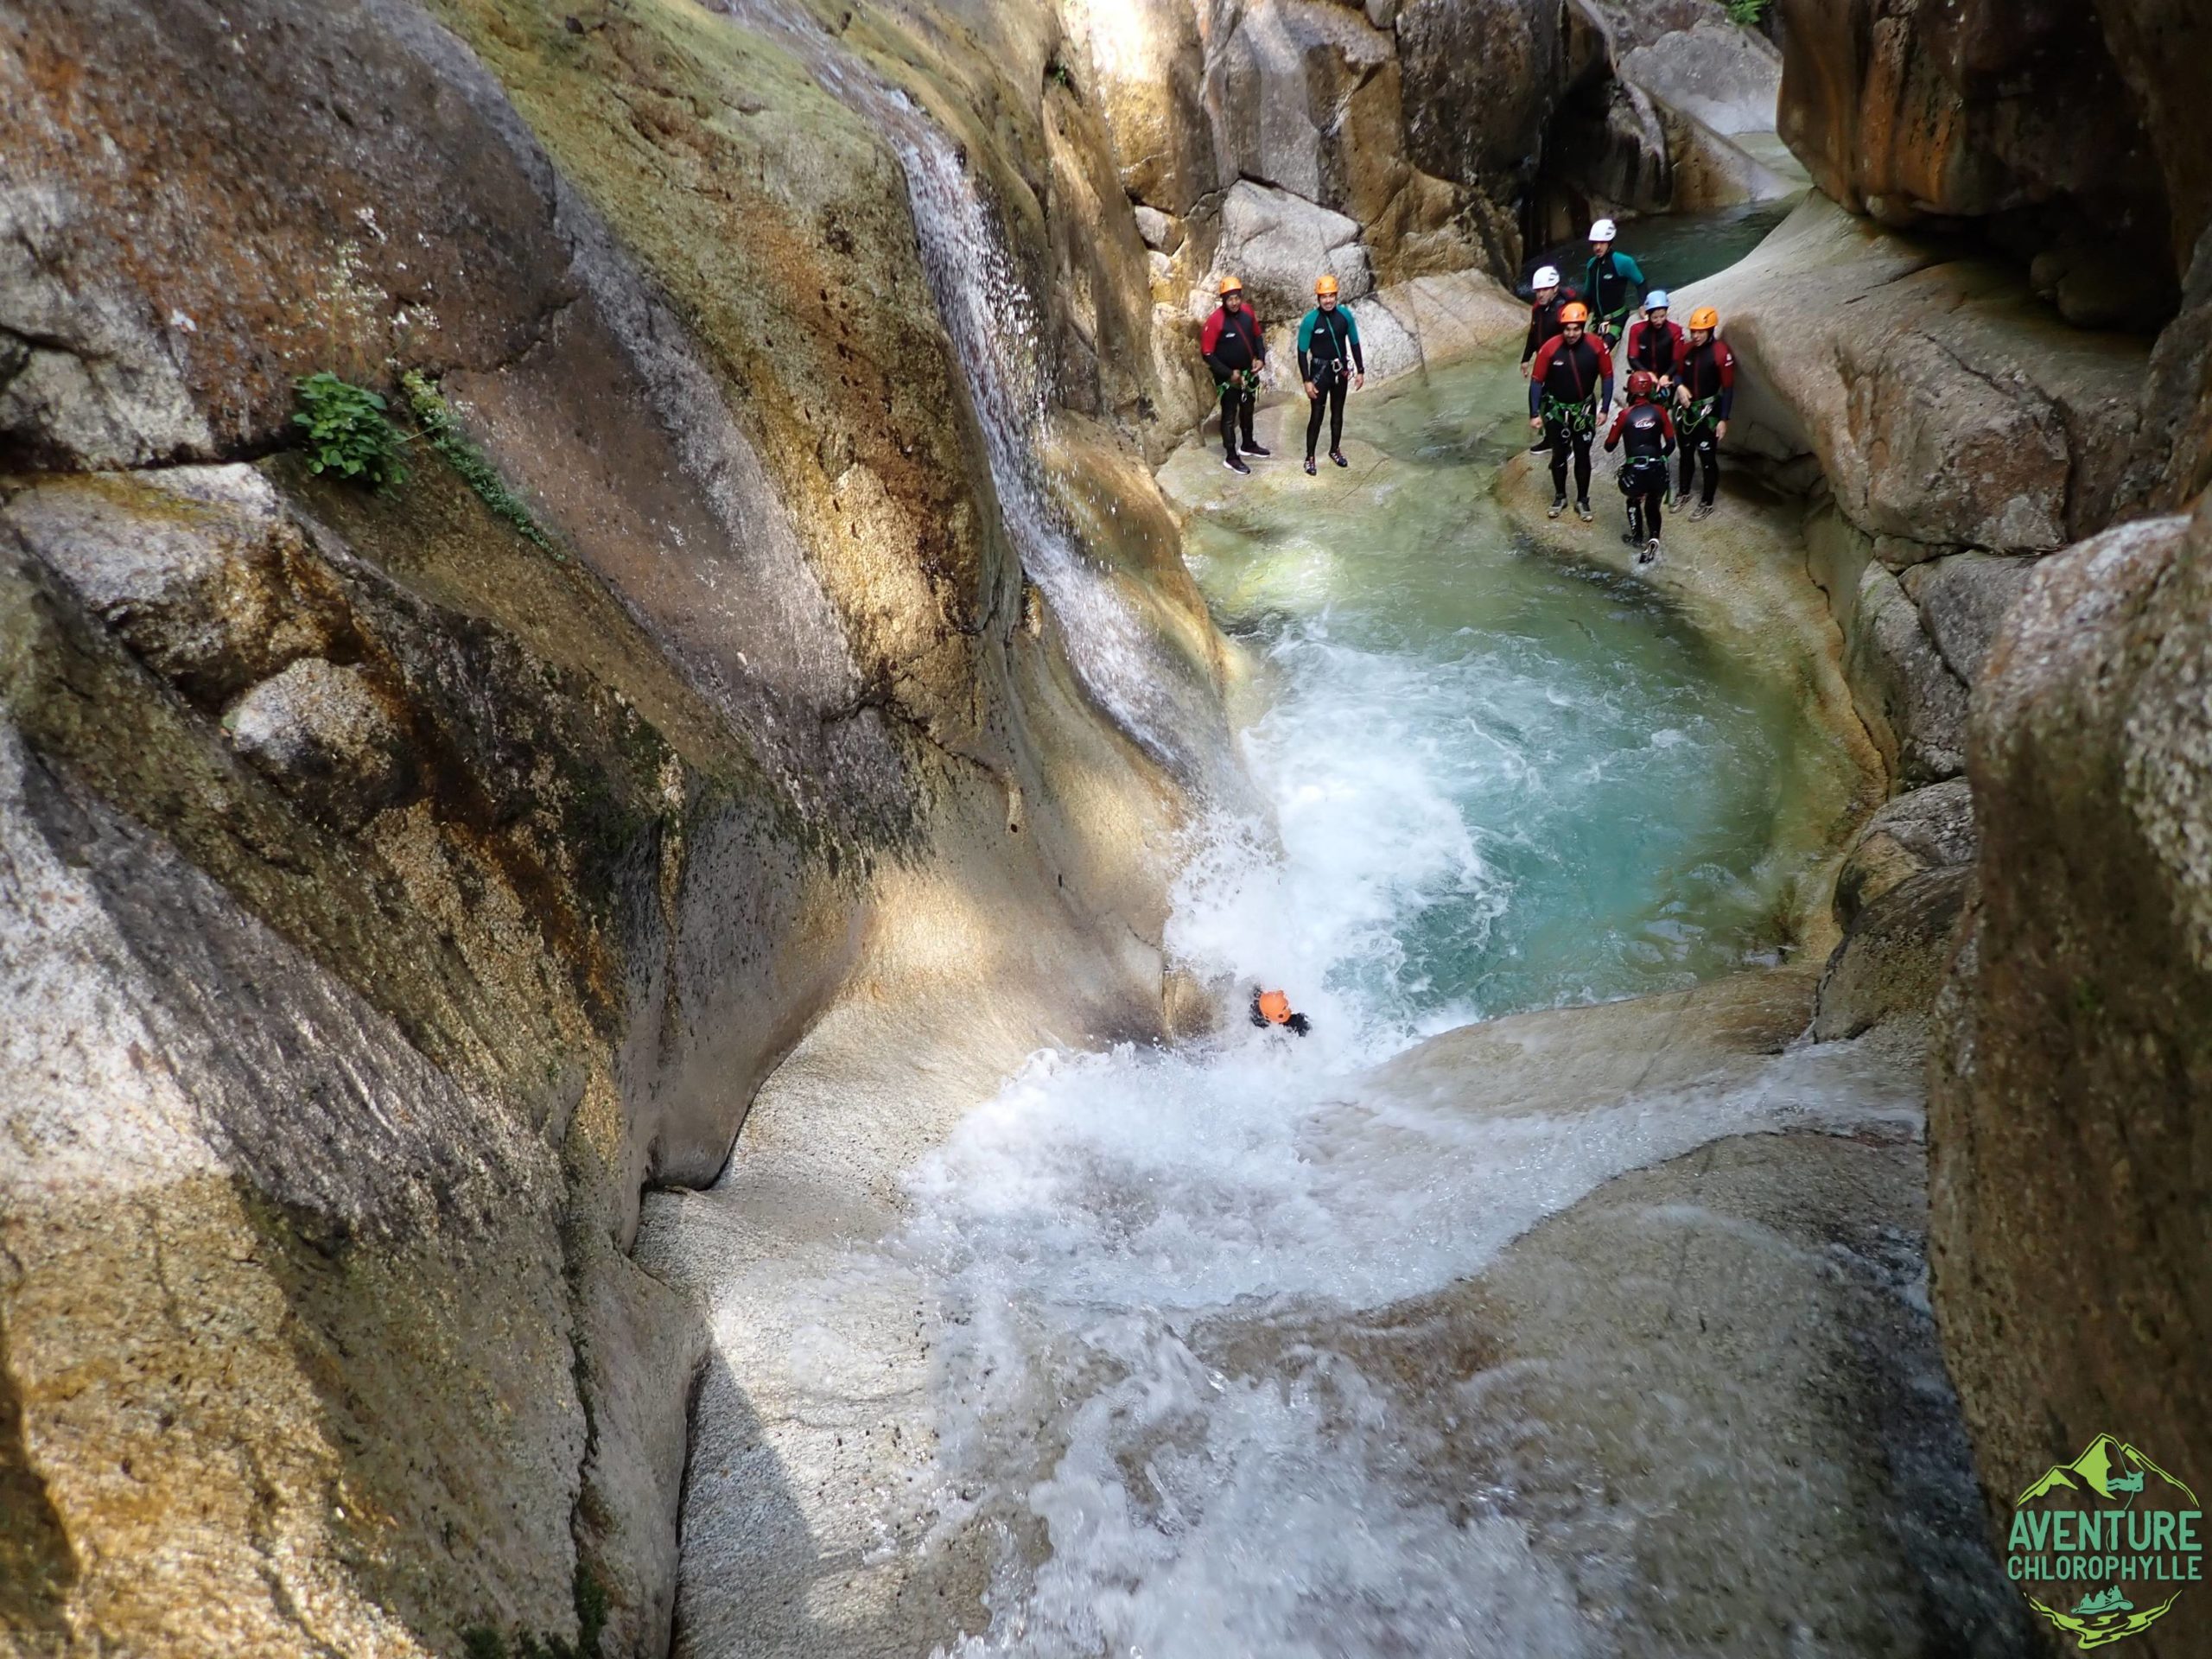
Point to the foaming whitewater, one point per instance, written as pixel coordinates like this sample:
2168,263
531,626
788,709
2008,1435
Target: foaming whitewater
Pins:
1144,686
1151,1267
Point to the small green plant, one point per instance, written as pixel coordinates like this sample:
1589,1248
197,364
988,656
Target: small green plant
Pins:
481,1641
348,432
1747,13
476,470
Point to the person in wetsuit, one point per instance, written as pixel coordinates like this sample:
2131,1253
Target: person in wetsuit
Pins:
1703,396
1330,364
1656,344
1570,384
1613,284
1273,1008
1235,350
1648,432
1547,299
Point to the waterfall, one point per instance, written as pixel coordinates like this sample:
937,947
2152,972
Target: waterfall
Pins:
1141,682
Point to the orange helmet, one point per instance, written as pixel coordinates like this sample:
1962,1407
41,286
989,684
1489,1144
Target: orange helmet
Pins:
1705,317
1577,312
1324,284
1230,285
1643,383
1276,1006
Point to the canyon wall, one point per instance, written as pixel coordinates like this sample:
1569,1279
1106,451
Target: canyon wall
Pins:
1997,384
394,883
1411,149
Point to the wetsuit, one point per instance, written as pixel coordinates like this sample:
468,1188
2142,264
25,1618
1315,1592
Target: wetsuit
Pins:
1707,391
1649,433
1658,346
1544,323
1235,348
1569,385
1615,284
1328,355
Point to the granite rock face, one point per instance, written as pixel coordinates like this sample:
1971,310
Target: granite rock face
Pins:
392,886
2068,1124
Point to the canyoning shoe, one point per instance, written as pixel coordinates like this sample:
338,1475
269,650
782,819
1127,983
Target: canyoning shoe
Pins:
1258,450
1309,468
1559,505
1582,512
1234,465
1337,455
1703,509
1651,554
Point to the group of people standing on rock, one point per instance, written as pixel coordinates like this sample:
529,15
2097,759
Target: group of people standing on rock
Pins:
1677,399
1680,389
1330,364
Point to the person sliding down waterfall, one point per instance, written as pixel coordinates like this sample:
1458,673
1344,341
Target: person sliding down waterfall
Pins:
1546,301
1235,350
1612,283
1329,362
1648,431
1570,386
1273,1008
1705,394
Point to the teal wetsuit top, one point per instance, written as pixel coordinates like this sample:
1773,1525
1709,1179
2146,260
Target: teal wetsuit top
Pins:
1324,342
1614,291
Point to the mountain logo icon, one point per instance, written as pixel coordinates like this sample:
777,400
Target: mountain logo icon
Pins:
2104,1546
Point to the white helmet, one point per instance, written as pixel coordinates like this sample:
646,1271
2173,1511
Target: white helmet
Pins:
1655,300
1545,276
1604,231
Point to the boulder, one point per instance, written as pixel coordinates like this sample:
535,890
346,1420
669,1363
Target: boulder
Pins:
2070,1124
1892,959
196,568
321,732
1944,404
1924,830
2012,112
1962,601
1277,243
1915,707
1728,79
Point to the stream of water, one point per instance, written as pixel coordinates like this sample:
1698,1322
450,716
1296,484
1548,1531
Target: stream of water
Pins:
1487,784
1493,785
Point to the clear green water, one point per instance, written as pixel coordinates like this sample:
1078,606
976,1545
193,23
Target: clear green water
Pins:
1678,250
1501,782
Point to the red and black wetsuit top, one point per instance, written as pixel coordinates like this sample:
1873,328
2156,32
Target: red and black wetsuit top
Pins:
1647,429
1709,371
1232,342
1573,374
1658,346
1543,321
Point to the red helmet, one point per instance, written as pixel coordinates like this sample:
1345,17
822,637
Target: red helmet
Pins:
1643,383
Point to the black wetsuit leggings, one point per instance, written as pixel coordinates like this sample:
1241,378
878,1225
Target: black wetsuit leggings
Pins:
1643,514
1563,438
1700,443
1332,398
1237,403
